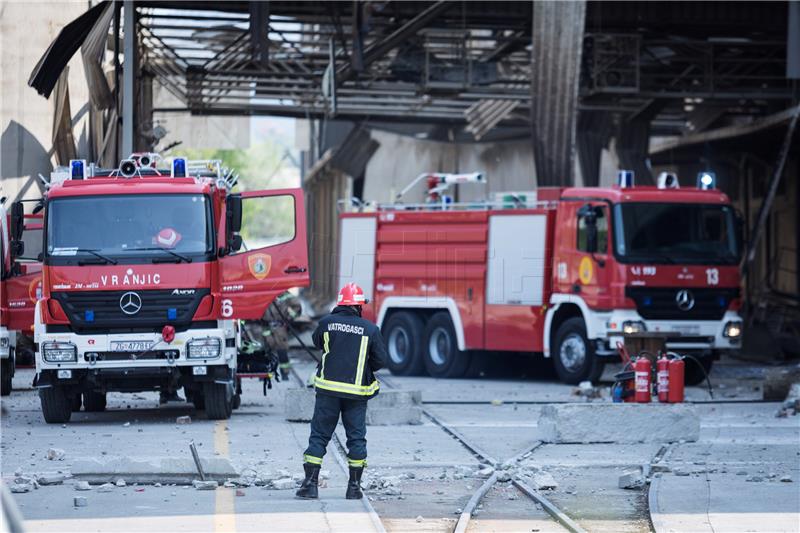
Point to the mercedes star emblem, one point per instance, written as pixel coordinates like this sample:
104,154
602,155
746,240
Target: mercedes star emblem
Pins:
684,299
130,303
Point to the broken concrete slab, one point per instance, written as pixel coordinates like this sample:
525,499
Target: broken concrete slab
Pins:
544,481
55,454
205,485
21,488
618,423
80,501
631,479
778,381
83,485
177,470
51,478
390,407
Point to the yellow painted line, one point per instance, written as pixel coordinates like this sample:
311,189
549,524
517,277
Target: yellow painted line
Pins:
224,510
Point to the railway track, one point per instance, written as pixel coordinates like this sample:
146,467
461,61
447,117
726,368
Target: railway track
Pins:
469,510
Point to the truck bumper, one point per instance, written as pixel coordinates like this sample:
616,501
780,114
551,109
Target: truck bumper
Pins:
6,342
97,364
681,334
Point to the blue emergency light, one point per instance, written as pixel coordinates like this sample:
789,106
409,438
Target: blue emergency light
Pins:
178,168
172,313
625,178
88,315
706,180
77,169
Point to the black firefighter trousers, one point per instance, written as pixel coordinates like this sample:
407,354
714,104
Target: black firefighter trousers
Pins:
326,415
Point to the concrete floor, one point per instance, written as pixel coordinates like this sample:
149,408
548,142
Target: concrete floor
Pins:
432,475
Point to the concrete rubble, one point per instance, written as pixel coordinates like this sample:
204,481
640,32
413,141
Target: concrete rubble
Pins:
151,470
51,478
205,485
183,420
389,408
106,487
631,479
83,485
599,422
80,501
56,454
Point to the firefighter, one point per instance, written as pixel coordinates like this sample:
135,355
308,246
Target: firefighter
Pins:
352,350
277,333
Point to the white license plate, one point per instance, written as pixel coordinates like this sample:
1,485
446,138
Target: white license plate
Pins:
687,329
131,346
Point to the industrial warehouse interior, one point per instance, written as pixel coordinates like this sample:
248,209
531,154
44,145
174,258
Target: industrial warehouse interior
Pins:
370,266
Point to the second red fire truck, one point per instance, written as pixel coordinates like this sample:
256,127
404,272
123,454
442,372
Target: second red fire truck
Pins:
564,272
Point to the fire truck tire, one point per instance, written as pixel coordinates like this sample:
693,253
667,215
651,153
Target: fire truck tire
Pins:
199,400
403,334
56,405
573,355
218,400
693,373
77,403
5,378
94,402
440,351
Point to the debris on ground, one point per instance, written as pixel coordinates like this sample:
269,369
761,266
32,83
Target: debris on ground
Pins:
497,402
83,485
105,487
120,482
786,479
586,390
51,478
239,492
419,518
80,501
283,483
544,481
631,479
183,420
205,485
56,454
126,425
21,488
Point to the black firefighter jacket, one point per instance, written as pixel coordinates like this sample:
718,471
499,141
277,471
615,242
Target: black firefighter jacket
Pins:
352,350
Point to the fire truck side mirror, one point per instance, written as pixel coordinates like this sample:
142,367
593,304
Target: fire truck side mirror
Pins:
235,243
234,212
17,221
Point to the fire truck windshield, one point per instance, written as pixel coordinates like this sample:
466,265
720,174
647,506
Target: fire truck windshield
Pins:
675,233
129,226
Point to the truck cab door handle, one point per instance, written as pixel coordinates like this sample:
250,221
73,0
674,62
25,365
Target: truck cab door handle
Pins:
295,270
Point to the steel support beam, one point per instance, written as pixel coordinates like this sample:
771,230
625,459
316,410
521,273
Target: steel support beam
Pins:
128,78
558,29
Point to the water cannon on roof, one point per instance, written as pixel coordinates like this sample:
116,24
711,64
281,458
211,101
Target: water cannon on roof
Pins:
440,182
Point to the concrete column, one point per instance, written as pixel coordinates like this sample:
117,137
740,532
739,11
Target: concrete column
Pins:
558,29
128,78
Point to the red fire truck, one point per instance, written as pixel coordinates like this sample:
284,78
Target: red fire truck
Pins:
20,286
561,271
146,273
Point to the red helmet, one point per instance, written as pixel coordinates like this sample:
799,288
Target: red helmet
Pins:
351,294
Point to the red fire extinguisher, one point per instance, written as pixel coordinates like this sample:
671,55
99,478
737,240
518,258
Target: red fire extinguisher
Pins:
662,378
641,369
676,372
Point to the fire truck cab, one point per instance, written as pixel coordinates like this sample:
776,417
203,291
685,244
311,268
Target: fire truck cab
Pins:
146,273
20,287
562,272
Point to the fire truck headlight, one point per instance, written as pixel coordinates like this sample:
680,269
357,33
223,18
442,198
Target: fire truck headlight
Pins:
733,330
59,352
630,327
203,348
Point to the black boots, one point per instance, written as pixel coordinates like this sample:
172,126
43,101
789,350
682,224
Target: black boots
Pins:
354,485
309,490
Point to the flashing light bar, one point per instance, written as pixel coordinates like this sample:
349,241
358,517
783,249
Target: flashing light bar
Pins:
625,178
77,169
706,180
178,168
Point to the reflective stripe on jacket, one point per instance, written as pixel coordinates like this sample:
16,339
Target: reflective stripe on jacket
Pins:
352,350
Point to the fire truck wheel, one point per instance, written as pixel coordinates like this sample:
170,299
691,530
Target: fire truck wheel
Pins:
77,402
94,402
56,405
5,376
693,373
442,357
219,401
573,355
403,334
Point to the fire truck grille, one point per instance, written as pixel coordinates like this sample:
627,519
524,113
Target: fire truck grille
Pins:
98,310
671,303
